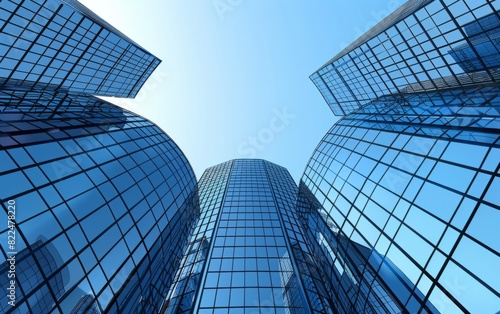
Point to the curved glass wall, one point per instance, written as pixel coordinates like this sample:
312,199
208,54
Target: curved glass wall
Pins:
104,202
402,197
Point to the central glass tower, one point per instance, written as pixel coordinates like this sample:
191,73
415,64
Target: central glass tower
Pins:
247,254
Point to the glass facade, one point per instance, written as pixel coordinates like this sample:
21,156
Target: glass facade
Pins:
100,201
399,201
60,43
107,193
421,193
483,35
247,254
424,45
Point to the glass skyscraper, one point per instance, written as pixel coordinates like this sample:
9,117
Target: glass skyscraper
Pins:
402,194
61,43
248,253
100,201
108,191
424,45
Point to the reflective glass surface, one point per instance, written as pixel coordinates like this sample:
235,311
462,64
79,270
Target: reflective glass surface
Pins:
409,196
63,44
245,256
104,200
399,196
424,45
105,203
412,179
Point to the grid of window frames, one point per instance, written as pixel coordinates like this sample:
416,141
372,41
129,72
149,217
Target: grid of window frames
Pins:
107,193
462,111
244,273
415,179
425,45
285,195
64,44
359,277
249,266
212,186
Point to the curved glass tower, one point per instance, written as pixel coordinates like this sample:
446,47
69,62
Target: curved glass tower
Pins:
248,253
104,202
97,202
422,197
401,195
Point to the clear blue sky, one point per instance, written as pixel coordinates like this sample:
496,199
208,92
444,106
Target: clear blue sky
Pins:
234,81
